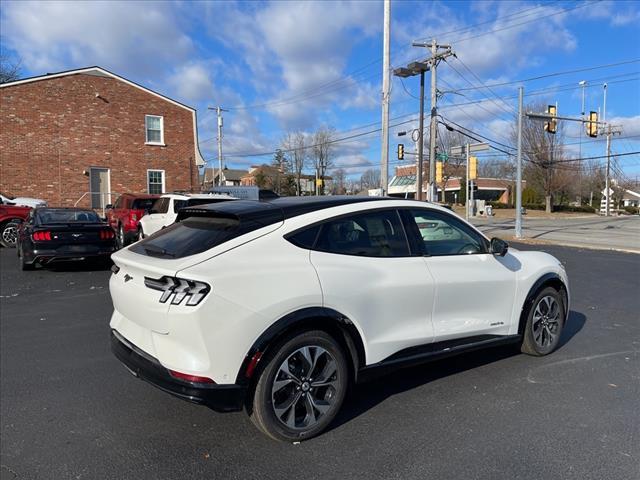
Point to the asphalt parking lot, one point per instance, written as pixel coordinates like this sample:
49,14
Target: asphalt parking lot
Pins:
69,410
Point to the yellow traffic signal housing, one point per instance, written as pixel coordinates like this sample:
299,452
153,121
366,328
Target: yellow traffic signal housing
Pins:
473,168
552,125
592,124
438,172
400,151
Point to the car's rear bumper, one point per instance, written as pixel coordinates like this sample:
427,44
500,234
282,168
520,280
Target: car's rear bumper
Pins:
43,255
221,398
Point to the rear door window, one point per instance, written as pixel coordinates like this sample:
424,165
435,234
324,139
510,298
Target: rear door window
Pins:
371,234
160,206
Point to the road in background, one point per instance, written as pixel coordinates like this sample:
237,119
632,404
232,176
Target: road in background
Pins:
617,233
70,410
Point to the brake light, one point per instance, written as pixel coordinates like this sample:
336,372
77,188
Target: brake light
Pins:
41,236
107,234
179,289
190,378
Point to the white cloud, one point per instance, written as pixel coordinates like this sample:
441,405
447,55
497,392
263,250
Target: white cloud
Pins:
293,49
192,82
630,125
131,37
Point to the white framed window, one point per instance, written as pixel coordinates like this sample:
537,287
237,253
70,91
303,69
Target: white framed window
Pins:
154,129
155,182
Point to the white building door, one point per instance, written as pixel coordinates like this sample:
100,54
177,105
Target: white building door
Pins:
100,187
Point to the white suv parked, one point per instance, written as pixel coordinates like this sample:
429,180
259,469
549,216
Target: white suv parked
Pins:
165,210
277,306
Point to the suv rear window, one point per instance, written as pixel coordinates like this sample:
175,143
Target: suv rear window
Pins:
190,236
142,203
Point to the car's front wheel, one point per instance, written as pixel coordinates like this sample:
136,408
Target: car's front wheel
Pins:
301,387
545,322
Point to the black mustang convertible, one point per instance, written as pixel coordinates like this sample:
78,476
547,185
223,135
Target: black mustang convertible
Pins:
60,234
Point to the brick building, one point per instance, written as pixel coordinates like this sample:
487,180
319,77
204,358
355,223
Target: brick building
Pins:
84,136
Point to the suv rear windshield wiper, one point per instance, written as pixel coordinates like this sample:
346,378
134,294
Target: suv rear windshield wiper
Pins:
158,251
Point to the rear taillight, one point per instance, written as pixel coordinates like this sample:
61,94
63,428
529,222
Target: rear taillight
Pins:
133,220
107,234
41,236
179,289
190,378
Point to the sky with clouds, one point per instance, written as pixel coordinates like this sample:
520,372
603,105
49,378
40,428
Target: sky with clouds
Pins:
287,66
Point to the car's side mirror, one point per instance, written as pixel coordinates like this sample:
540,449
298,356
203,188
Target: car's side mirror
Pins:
499,246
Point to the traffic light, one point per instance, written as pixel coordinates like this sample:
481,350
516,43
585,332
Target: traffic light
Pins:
552,125
400,151
473,168
592,124
438,172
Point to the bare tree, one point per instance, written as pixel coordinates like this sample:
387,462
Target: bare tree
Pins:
454,167
321,153
339,186
544,156
9,67
370,179
296,144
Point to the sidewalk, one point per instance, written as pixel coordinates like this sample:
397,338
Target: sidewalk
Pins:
589,231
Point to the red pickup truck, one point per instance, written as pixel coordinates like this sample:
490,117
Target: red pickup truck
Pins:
11,216
124,215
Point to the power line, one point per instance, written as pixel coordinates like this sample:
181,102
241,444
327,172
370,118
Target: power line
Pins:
509,107
549,75
542,17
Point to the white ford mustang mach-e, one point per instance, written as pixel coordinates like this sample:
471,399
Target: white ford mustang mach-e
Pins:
277,306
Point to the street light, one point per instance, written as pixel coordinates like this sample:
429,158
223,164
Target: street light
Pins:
417,68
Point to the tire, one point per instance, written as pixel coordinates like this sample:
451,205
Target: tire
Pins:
121,241
24,265
287,404
545,322
9,234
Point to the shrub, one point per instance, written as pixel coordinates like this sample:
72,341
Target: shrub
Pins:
632,210
529,196
534,206
572,208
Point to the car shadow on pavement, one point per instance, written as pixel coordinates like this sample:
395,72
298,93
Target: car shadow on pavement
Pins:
365,396
78,266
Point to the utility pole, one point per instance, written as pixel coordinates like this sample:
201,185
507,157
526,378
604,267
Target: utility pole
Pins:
415,68
219,111
386,73
467,184
609,130
419,181
436,56
433,127
519,166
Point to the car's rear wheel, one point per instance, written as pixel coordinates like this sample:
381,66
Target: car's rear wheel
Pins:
9,234
301,387
545,322
24,265
120,240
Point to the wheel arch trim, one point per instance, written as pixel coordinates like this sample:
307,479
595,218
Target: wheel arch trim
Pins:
548,279
321,318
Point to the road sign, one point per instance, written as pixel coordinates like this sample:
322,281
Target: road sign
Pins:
473,147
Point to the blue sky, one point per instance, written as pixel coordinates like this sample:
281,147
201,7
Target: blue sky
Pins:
287,66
